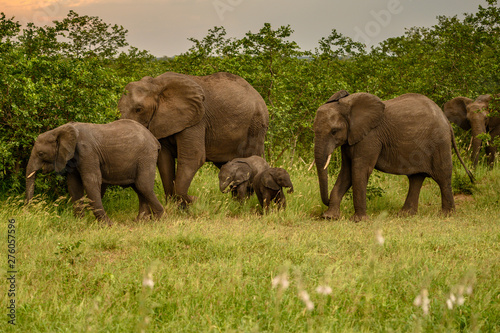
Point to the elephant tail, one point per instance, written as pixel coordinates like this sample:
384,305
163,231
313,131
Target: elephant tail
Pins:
471,176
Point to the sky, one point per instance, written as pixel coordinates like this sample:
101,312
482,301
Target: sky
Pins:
163,26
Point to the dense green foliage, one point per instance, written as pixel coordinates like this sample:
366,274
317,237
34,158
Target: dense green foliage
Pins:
73,71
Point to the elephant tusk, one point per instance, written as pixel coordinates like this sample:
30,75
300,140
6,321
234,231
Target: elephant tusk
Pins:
310,167
327,162
31,174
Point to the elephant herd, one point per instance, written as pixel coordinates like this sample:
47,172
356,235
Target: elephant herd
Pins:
178,122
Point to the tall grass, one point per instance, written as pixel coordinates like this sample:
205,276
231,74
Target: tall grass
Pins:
222,266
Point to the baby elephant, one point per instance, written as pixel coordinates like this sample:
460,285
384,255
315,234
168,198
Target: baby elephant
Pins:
237,175
268,185
96,155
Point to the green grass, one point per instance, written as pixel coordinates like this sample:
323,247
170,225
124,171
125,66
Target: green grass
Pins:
213,266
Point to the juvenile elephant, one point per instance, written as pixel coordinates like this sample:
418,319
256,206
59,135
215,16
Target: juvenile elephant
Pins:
475,115
212,118
268,186
408,135
238,175
95,155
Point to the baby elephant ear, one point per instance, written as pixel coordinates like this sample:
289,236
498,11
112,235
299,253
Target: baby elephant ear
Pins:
66,145
269,181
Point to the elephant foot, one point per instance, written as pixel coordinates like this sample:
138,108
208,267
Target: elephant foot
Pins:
331,214
359,217
142,216
106,220
405,212
447,211
186,200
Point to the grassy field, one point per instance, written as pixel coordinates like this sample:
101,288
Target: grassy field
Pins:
222,267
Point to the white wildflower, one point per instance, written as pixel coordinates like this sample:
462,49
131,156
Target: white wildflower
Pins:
324,290
281,281
422,300
148,281
379,237
304,296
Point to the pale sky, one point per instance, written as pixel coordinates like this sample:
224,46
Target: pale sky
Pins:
163,26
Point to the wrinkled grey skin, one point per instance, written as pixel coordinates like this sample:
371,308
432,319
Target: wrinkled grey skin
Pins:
408,135
268,186
237,175
213,118
122,152
475,115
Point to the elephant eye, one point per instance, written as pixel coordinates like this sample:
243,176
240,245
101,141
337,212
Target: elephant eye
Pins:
137,110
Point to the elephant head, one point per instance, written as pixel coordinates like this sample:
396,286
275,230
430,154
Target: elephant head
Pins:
470,114
276,178
233,174
344,119
51,152
166,104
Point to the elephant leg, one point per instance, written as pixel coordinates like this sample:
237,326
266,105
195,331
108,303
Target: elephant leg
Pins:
144,209
166,167
92,184
144,187
359,184
266,199
190,157
491,152
447,200
104,187
342,184
75,189
410,206
241,192
280,199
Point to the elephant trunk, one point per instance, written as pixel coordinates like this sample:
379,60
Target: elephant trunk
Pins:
477,142
321,158
34,164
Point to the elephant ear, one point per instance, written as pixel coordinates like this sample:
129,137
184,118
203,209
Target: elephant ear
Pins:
180,104
337,96
364,112
269,181
66,145
456,111
243,173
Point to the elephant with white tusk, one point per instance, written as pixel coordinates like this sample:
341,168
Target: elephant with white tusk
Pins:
122,152
408,135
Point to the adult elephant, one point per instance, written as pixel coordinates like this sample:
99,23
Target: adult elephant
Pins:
475,115
196,119
408,135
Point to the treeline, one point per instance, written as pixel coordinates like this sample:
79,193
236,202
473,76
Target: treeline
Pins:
74,70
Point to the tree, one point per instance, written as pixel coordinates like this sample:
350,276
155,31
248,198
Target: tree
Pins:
89,36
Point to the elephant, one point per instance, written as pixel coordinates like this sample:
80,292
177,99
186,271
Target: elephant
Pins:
408,135
213,118
122,152
237,175
475,115
268,186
